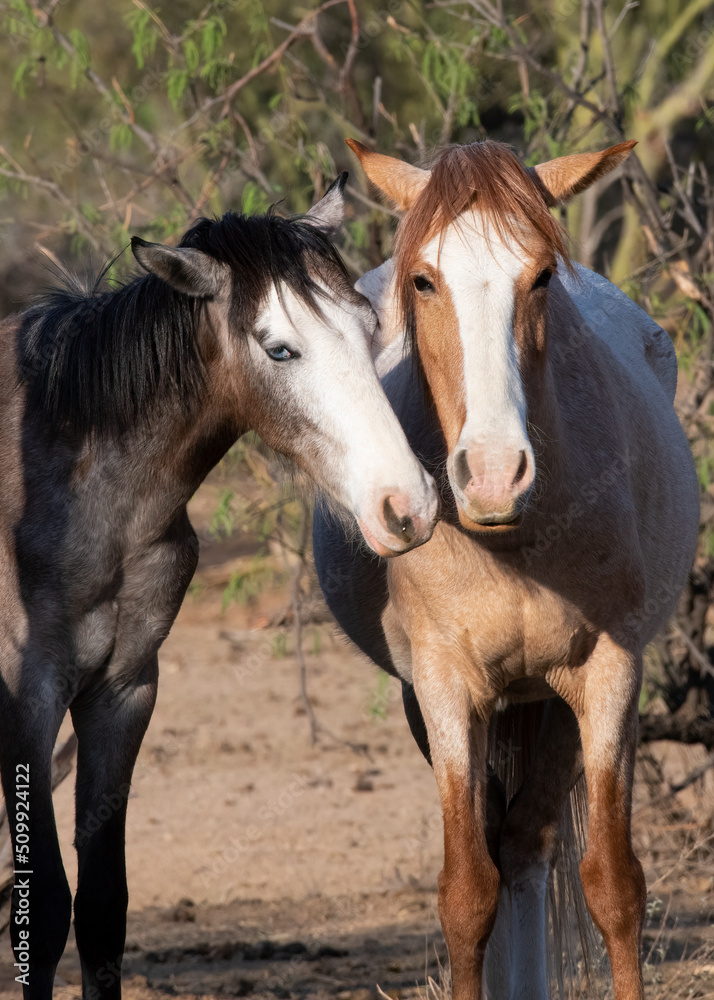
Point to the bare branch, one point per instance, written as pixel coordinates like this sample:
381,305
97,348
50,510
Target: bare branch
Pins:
296,601
671,727
58,194
615,103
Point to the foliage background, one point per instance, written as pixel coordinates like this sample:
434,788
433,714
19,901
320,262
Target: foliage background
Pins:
122,118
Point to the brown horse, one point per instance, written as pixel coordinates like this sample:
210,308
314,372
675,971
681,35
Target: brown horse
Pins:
114,406
569,522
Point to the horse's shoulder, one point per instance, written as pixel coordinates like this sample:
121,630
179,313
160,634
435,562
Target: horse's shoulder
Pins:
633,336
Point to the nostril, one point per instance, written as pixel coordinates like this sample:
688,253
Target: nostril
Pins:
407,530
522,469
401,527
461,469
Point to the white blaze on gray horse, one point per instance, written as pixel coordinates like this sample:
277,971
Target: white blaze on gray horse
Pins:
114,405
542,400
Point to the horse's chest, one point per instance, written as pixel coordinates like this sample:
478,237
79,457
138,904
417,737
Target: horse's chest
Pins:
499,628
110,616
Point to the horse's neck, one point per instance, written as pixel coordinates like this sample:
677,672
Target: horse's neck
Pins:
155,470
549,437
402,385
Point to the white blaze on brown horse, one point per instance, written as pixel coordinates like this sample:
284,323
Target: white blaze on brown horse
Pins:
569,522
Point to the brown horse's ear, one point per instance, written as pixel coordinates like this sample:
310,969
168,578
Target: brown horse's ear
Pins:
400,181
187,270
567,176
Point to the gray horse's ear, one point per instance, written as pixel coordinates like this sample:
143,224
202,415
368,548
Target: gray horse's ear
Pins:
379,288
185,269
329,213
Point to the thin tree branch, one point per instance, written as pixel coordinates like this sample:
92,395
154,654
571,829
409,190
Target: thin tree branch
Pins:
296,601
58,194
671,727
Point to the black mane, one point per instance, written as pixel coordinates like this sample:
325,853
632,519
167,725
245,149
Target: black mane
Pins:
98,361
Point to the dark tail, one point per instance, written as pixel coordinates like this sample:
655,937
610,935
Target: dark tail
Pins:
575,950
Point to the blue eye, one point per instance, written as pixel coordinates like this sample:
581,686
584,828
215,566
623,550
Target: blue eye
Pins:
281,353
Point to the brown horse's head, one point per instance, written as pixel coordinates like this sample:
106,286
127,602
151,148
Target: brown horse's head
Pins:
475,252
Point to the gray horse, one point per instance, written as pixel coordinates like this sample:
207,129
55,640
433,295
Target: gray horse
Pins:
114,406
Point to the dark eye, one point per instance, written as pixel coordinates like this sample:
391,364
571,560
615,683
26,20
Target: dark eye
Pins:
423,284
281,353
543,279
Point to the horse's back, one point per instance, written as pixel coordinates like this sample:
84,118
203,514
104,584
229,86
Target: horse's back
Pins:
626,413
633,336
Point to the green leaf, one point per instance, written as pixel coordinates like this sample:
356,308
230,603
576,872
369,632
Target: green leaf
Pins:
191,55
19,78
90,212
120,137
212,36
145,37
260,51
359,231
80,59
253,200
223,519
81,46
58,57
216,72
177,83
379,703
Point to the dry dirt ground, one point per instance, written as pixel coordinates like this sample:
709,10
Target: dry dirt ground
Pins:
262,865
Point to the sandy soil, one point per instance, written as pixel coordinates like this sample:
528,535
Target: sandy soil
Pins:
260,864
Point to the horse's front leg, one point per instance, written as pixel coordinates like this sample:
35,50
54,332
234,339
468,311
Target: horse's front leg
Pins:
41,902
612,877
110,724
468,883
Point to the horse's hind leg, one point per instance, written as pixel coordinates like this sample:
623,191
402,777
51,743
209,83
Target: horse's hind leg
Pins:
415,719
110,725
516,966
42,903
